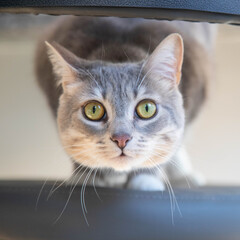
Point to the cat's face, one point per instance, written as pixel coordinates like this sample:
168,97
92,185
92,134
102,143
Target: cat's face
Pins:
121,116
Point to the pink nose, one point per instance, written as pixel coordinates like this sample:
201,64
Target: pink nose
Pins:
121,139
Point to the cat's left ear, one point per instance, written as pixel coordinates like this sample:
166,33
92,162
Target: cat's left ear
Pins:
65,64
166,60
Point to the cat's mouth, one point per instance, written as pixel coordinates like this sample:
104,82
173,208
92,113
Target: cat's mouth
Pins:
122,155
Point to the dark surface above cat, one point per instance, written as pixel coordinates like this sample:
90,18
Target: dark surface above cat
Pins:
206,213
197,10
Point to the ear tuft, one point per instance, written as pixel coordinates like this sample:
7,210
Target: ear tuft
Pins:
166,60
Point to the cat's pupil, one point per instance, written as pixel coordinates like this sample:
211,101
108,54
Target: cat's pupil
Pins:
94,109
146,107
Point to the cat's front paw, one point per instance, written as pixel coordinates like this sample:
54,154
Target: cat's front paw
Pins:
146,182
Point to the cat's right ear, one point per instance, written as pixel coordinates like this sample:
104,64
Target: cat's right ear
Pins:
64,64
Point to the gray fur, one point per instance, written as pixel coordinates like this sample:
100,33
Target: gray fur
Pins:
111,69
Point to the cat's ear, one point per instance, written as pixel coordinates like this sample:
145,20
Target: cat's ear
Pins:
166,60
64,64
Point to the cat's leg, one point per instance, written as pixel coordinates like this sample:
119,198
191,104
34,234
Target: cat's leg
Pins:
104,178
145,182
100,178
180,171
111,179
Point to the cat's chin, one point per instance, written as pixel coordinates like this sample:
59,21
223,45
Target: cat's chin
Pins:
122,163
125,163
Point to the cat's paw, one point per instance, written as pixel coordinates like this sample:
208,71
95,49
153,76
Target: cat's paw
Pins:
146,182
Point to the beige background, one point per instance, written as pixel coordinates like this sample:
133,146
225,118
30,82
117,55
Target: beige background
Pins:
29,145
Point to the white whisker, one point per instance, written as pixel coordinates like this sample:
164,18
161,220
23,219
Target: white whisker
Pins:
39,194
94,176
52,190
84,208
180,170
65,206
173,200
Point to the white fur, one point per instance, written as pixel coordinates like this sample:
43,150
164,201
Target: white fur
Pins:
146,182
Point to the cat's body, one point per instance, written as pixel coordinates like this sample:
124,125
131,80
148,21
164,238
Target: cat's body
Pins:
118,49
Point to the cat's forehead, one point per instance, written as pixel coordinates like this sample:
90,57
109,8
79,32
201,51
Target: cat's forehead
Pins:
119,84
117,75
114,81
120,81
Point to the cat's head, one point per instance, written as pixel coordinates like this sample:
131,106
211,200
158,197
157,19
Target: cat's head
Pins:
122,116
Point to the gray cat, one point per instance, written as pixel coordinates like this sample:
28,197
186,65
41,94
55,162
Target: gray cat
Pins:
122,96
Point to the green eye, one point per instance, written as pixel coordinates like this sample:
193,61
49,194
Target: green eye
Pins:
94,111
146,109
